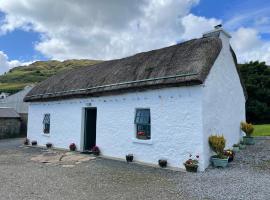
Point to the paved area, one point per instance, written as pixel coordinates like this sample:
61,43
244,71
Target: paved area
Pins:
248,177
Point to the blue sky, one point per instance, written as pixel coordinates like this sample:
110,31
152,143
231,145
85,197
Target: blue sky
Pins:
32,30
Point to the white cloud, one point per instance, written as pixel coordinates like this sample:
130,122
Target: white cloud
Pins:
249,46
6,64
196,25
113,29
98,29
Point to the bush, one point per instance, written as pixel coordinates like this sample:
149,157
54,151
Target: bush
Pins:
217,144
247,128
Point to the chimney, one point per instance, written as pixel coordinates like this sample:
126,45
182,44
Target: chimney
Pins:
221,33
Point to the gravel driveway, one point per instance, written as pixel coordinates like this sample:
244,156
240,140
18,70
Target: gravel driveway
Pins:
248,177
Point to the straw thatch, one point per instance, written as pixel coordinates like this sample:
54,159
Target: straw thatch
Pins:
191,61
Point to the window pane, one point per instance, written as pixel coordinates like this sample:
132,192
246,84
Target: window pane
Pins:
143,131
142,116
46,123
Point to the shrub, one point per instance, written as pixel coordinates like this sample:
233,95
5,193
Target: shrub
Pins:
217,144
247,128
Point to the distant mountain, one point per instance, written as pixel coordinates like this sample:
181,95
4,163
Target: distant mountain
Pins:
18,77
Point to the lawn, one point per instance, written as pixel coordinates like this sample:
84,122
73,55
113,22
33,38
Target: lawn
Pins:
262,130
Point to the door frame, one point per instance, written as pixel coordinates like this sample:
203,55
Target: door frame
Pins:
82,142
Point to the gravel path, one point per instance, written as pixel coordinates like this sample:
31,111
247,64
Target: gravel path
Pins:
248,177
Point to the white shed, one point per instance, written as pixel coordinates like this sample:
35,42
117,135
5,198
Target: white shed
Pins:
158,104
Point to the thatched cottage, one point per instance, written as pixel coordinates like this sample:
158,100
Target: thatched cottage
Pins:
158,104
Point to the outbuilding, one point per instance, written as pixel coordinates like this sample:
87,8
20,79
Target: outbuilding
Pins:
161,104
10,123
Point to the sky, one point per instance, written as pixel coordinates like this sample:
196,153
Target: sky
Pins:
33,30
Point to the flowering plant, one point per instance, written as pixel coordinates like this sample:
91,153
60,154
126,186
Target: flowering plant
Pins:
95,150
140,133
192,161
72,147
228,153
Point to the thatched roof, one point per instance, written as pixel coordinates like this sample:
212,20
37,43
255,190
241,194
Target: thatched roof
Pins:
185,63
8,113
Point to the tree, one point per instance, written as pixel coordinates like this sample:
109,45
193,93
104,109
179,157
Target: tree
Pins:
256,78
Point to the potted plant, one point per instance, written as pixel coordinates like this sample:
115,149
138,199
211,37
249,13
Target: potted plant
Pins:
34,143
49,145
230,154
192,165
72,147
242,145
217,144
26,141
95,150
235,147
248,129
129,157
162,163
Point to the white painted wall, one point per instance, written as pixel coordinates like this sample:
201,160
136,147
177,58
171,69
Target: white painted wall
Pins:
223,101
176,124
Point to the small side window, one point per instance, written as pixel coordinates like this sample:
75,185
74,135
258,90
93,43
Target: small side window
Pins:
46,124
143,124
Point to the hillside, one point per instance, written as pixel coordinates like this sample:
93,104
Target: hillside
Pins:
18,77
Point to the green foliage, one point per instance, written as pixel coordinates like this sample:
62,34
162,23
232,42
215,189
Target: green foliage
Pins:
256,77
18,77
217,144
247,128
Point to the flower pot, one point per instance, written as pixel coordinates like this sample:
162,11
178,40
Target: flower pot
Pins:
26,141
129,158
242,146
191,168
49,145
72,148
34,143
235,149
162,163
96,153
248,140
230,159
218,162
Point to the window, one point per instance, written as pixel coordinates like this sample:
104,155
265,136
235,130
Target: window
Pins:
46,124
143,124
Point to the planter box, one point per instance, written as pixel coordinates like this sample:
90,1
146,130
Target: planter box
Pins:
236,149
248,140
242,146
162,163
217,162
191,168
129,158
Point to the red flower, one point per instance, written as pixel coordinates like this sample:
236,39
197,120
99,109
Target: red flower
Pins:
141,133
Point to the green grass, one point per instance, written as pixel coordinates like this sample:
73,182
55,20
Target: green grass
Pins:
261,130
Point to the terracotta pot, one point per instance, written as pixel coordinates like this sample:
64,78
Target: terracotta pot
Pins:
191,168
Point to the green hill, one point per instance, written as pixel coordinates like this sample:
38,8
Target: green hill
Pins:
18,77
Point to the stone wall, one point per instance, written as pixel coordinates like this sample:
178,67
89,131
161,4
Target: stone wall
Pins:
9,127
